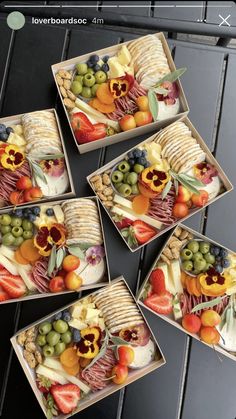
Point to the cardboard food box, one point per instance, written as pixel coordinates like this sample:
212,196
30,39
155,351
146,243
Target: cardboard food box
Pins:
65,94
148,189
37,138
195,278
97,319
36,263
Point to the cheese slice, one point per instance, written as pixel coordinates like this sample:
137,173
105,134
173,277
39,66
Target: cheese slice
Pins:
124,56
115,68
168,280
77,311
175,275
126,212
91,313
77,324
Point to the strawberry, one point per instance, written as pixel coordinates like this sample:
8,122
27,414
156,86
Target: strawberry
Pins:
66,397
122,222
13,285
3,295
99,131
161,304
79,121
142,231
157,280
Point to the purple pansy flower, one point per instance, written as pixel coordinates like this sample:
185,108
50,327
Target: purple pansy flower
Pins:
94,255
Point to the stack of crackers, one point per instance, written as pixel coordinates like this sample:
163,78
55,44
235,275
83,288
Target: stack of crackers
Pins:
149,60
118,308
41,133
82,221
179,148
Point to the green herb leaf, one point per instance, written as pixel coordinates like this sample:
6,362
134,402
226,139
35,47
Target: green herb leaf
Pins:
116,340
188,186
125,232
161,91
171,76
102,351
52,261
60,256
85,246
166,189
153,104
47,157
208,304
37,171
176,185
76,251
191,179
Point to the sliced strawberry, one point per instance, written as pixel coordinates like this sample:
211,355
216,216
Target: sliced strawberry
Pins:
143,232
66,397
122,222
161,304
13,285
157,280
99,132
3,295
79,121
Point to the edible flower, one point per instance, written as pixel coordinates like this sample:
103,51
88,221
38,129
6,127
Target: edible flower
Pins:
53,167
12,157
214,284
94,255
205,172
48,236
172,92
88,346
119,87
155,179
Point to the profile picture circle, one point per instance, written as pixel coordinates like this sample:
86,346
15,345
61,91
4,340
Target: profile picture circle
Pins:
15,20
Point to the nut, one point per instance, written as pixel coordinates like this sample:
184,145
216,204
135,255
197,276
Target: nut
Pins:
108,191
69,103
165,259
30,347
21,338
175,253
63,91
171,240
65,74
71,95
108,204
106,179
98,186
95,178
31,332
110,198
102,197
183,235
59,80
190,236
38,357
178,231
166,252
66,84
30,358
176,243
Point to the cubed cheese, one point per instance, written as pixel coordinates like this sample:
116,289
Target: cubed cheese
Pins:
115,68
76,311
124,56
91,313
77,324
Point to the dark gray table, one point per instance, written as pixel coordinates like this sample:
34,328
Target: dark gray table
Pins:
194,384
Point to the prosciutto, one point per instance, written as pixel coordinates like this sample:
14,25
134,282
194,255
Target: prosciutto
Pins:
8,180
126,104
188,302
161,209
96,376
40,276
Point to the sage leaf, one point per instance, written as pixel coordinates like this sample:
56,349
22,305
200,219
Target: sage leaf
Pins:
101,353
191,179
161,91
176,185
37,171
171,76
76,251
166,190
85,246
116,340
52,261
153,104
188,186
207,304
47,157
60,257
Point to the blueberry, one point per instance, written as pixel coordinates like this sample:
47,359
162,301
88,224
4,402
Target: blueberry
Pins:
96,67
131,162
106,58
130,155
225,263
215,250
3,136
58,316
32,217
2,128
218,259
76,335
218,268
137,153
18,213
89,64
105,67
36,210
50,212
224,253
26,212
9,130
66,316
142,161
94,58
146,165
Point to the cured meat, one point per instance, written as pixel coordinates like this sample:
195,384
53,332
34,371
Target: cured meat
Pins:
161,209
8,180
96,376
40,276
188,302
126,104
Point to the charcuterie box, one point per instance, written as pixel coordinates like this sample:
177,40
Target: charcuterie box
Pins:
163,180
192,285
34,165
113,88
52,248
86,351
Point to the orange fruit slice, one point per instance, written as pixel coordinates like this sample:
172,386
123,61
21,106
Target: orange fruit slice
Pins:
69,358
20,259
29,251
104,95
72,370
140,204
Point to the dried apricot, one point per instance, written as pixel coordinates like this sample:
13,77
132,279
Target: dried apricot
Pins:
29,251
72,370
101,107
104,95
69,358
19,258
140,204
